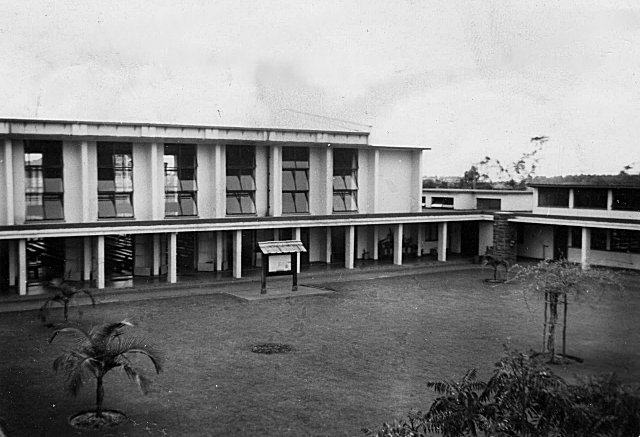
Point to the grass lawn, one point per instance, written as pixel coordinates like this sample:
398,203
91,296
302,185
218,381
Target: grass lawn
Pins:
360,356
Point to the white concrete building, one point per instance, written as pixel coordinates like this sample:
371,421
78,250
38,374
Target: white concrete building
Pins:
99,202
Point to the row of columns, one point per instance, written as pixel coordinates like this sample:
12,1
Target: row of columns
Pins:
93,262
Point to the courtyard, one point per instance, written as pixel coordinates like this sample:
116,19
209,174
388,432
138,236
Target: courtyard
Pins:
360,356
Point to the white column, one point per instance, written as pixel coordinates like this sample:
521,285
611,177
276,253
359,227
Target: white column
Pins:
220,178
376,238
329,181
416,203
609,199
420,239
13,262
349,246
87,258
376,184
219,250
608,241
8,181
571,197
585,251
172,273
85,187
22,267
397,244
237,254
100,281
297,236
275,181
442,241
156,190
157,254
327,254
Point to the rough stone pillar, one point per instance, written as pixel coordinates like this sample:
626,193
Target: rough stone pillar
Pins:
504,236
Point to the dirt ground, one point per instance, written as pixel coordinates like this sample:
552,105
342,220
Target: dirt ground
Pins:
361,356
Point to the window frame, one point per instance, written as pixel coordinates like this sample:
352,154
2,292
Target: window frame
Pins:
243,198
345,169
296,164
186,196
553,197
122,179
42,193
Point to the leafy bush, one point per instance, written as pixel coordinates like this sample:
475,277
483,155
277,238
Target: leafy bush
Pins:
523,398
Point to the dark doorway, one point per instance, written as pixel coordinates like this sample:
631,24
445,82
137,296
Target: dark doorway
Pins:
337,244
45,260
118,257
4,266
186,250
560,241
469,238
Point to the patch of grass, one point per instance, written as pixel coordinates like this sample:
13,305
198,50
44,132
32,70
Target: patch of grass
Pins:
362,356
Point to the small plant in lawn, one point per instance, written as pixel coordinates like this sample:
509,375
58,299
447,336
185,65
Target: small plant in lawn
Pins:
555,281
64,295
96,353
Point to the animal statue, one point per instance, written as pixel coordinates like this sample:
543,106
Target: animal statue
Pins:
489,259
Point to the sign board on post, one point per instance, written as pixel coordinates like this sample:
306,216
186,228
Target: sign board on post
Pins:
281,259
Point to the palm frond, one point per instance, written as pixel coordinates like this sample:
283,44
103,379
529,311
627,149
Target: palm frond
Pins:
136,346
88,293
136,376
101,334
76,331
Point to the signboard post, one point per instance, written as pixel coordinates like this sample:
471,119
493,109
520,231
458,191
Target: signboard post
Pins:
280,258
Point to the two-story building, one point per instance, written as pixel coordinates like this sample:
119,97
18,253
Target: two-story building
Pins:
102,201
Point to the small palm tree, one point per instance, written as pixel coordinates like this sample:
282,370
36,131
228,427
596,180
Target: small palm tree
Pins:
64,294
97,352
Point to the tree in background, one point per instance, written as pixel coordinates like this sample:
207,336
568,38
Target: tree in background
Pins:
489,171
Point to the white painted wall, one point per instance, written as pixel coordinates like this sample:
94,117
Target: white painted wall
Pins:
467,199
607,259
318,180
142,184
5,154
485,236
365,191
262,181
72,181
92,182
19,200
537,243
206,181
396,181
317,244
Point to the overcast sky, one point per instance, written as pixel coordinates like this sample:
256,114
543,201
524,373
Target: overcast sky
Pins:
467,79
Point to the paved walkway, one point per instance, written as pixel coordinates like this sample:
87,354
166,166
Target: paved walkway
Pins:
247,288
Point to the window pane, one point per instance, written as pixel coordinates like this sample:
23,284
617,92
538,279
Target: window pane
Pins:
288,204
188,204
302,183
338,202
33,159
599,239
288,182
124,208
106,207
171,206
247,182
626,199
233,183
351,182
553,197
34,180
171,181
35,207
53,209
188,185
53,185
247,205
233,204
350,201
339,183
123,180
170,161
122,161
302,202
590,198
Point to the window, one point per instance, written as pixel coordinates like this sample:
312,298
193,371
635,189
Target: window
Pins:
442,202
492,204
115,180
626,199
595,198
625,241
553,197
295,180
180,187
345,180
44,191
241,186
